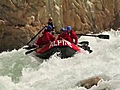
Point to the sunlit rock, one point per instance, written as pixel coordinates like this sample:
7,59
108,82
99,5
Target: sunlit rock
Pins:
84,16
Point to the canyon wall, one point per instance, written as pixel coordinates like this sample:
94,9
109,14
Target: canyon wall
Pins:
85,16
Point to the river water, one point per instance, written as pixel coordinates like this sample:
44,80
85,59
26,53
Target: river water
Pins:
23,72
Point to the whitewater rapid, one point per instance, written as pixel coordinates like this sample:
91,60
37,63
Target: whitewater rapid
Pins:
23,72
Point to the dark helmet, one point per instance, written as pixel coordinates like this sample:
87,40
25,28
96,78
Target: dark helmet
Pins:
49,28
69,28
63,29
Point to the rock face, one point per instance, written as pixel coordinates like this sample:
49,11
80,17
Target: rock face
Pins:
83,15
14,37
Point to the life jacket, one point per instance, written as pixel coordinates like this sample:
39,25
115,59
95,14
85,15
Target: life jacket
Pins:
74,37
45,38
65,36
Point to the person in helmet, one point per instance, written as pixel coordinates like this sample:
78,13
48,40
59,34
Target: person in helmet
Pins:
50,22
72,35
46,37
64,35
48,28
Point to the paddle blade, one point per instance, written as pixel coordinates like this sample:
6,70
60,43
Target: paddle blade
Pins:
30,51
29,47
103,36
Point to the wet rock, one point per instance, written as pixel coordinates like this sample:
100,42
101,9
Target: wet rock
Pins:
88,83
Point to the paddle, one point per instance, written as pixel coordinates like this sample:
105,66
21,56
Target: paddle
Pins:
101,36
29,47
35,36
30,51
84,45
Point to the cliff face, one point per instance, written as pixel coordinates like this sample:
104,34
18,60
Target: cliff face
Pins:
83,15
80,14
14,37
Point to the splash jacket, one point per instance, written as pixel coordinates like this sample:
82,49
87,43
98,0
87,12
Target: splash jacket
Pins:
73,37
45,38
64,35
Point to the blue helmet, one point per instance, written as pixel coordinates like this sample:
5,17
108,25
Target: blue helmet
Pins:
49,28
69,28
63,29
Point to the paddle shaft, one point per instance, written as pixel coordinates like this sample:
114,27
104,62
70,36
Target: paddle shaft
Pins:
35,36
30,51
99,36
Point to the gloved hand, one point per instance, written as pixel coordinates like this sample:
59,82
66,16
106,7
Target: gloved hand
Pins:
53,32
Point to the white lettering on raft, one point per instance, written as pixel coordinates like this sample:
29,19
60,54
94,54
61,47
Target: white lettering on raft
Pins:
60,43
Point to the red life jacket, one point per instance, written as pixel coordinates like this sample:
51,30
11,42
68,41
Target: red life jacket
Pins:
73,37
45,38
65,36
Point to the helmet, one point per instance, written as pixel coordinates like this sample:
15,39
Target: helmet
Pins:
69,28
63,29
49,27
50,19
